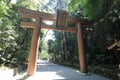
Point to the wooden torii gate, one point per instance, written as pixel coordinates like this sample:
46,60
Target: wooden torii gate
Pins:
37,25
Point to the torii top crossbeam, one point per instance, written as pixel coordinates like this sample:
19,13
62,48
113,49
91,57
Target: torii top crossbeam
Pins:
50,17
47,16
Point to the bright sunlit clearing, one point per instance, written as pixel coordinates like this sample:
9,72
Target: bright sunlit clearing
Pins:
46,1
13,1
49,35
48,22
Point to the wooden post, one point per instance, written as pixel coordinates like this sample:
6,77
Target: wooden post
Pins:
82,59
34,48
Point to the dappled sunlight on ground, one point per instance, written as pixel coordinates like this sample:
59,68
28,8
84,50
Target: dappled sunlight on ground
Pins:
49,76
5,74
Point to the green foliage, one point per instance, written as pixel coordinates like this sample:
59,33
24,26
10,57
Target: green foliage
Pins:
105,17
63,48
44,55
15,41
75,4
57,47
3,9
89,8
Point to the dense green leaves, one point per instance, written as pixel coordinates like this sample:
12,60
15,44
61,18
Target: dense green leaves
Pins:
105,18
3,9
106,25
15,41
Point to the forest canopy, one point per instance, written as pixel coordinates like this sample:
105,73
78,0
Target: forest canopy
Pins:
102,45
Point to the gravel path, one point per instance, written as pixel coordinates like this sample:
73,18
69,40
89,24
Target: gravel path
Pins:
50,71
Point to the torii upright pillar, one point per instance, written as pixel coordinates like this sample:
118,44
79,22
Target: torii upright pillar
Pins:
82,57
32,60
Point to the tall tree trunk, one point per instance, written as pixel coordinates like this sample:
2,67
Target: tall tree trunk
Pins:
65,48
